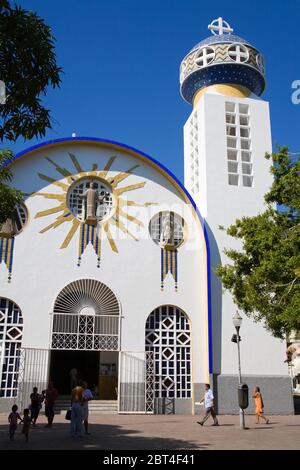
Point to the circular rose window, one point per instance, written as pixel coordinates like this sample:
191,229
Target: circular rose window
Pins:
16,223
90,196
167,229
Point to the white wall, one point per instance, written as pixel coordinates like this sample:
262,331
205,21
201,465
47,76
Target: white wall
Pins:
221,204
41,269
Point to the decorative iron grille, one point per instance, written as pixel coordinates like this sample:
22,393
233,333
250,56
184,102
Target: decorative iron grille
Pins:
168,338
11,330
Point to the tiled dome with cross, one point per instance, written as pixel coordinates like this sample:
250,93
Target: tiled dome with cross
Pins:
222,58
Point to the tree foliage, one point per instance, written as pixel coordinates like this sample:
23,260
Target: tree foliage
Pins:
264,277
27,66
9,196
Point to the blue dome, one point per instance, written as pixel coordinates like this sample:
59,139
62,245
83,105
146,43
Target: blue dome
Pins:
220,38
223,58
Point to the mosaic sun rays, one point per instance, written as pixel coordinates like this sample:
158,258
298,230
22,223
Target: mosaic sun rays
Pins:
89,233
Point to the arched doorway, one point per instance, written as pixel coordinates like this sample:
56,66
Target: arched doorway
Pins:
11,330
85,338
168,337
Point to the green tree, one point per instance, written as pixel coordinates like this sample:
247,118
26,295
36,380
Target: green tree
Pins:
27,66
264,276
9,196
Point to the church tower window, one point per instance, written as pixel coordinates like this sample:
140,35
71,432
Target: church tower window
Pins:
239,160
194,154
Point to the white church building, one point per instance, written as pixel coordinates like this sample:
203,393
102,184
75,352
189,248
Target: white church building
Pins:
108,266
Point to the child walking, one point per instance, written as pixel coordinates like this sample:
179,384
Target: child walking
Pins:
26,423
13,421
259,405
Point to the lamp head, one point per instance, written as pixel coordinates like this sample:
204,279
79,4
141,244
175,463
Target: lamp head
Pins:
237,320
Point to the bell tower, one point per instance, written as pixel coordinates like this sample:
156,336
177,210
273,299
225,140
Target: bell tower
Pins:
225,139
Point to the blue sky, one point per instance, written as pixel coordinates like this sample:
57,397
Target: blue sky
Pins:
121,67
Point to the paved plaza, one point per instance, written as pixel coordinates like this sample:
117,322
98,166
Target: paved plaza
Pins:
134,432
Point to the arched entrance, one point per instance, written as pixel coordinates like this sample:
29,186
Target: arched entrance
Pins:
168,337
11,330
85,338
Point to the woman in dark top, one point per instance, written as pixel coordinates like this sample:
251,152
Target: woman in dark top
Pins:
36,403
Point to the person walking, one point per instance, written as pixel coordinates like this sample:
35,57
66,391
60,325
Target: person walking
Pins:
13,421
35,406
77,400
26,423
50,396
87,396
209,403
259,405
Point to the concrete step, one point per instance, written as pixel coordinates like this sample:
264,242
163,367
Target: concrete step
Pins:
95,406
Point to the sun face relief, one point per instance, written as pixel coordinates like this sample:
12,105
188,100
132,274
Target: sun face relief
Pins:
91,201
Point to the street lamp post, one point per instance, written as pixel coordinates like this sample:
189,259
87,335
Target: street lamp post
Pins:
237,321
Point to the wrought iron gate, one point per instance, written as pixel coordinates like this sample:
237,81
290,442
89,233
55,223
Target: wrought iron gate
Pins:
136,379
85,332
33,372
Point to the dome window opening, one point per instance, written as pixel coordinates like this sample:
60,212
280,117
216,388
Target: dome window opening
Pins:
238,53
260,63
182,71
205,56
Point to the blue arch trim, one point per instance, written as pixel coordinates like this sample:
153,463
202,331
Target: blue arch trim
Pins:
166,170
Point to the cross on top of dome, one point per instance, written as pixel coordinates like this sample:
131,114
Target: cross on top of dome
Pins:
220,26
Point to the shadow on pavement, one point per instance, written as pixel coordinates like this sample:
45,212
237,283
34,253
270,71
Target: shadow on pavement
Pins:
263,427
223,425
102,437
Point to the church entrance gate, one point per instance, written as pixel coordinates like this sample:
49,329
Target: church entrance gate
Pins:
85,325
136,382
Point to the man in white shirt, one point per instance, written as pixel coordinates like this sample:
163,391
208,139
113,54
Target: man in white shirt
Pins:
209,404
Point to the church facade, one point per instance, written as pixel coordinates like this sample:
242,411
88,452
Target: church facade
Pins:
107,266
